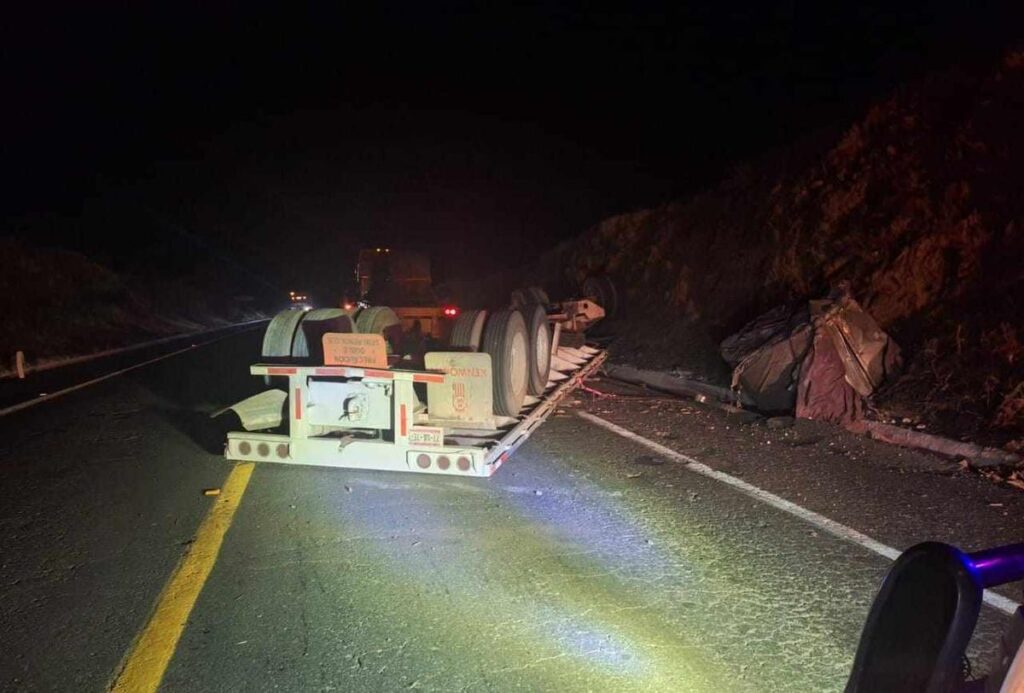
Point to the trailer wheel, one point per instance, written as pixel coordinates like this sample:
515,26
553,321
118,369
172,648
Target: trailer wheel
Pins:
312,328
318,322
538,296
380,320
468,330
277,340
539,337
505,339
528,296
604,293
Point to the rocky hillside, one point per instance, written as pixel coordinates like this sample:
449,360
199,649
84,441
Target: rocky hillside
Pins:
920,206
60,303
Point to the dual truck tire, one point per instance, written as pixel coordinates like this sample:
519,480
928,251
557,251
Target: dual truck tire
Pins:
296,333
517,340
519,344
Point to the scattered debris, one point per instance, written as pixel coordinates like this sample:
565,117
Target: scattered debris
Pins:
741,416
980,456
1001,474
699,390
596,393
215,491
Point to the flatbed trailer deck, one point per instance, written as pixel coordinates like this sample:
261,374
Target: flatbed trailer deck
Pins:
400,433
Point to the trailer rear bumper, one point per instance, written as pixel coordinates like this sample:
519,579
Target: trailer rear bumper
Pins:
378,455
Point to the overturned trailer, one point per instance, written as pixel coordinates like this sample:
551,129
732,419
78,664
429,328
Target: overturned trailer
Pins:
350,393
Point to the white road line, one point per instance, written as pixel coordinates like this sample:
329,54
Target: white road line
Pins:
834,528
59,393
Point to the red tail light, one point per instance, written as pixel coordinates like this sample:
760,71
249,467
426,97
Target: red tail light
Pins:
450,311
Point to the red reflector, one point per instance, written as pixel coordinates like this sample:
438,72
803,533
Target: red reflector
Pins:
463,464
443,463
450,311
423,461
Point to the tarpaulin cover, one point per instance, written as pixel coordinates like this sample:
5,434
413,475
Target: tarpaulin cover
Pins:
823,392
778,321
769,374
819,361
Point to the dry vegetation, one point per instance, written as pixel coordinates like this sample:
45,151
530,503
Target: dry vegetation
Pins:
919,206
59,303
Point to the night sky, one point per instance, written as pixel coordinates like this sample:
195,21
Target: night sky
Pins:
287,136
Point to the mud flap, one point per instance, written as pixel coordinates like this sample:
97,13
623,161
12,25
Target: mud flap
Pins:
260,411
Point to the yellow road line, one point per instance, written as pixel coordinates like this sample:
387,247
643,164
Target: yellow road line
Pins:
147,660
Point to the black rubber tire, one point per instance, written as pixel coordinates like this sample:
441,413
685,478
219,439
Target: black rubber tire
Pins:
383,321
537,296
506,341
309,339
528,296
280,334
538,332
315,323
468,330
604,293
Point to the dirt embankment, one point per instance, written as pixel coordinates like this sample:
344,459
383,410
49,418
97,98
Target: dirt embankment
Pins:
919,206
59,303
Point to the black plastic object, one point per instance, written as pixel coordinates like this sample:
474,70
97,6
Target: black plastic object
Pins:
1000,565
920,623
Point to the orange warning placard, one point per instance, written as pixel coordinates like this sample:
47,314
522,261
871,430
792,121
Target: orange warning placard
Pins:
348,349
465,394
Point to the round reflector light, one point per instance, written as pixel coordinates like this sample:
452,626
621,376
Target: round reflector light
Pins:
443,463
423,460
463,464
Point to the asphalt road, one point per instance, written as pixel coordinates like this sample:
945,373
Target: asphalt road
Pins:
587,563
